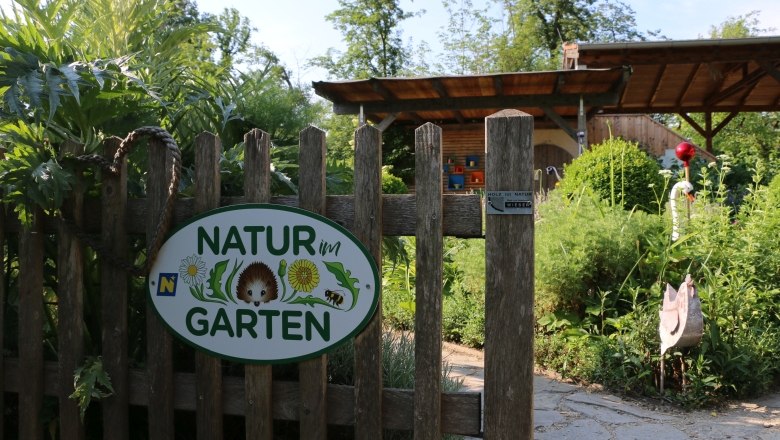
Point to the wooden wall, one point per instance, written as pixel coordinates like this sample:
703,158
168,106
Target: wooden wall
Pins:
458,143
652,136
462,141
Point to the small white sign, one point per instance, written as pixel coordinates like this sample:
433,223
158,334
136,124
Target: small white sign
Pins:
262,283
510,202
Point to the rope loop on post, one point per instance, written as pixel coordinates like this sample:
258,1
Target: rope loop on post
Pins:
166,215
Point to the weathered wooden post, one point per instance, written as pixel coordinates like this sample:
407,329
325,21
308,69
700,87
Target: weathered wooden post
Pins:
313,374
2,307
368,229
208,369
159,343
258,379
509,276
427,350
31,326
70,304
114,296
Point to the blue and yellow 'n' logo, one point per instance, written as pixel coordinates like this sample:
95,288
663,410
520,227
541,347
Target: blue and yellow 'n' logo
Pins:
166,285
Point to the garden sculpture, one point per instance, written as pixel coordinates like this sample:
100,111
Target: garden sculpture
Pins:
681,320
686,189
682,323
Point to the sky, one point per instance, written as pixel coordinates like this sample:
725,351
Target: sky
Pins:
296,30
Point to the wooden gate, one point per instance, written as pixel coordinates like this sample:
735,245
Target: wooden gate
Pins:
213,389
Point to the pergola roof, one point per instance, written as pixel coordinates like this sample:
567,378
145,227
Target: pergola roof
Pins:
462,99
734,75
737,75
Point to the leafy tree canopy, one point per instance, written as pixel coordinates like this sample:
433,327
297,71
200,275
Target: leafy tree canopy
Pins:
373,40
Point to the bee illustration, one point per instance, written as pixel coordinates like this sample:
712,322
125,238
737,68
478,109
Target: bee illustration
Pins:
334,297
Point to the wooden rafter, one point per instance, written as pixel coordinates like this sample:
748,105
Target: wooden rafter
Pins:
688,81
771,69
656,82
748,80
439,88
477,102
498,83
560,122
389,119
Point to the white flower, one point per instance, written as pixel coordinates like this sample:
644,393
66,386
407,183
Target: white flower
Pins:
192,270
666,173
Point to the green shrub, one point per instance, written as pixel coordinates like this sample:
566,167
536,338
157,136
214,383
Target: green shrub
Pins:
618,171
392,184
734,259
463,318
463,303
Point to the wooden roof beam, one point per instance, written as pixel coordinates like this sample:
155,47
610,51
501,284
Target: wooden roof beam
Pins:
498,84
749,81
439,88
688,81
389,119
771,69
619,87
377,86
656,82
477,102
560,122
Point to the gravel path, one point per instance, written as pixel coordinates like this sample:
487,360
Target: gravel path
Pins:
565,411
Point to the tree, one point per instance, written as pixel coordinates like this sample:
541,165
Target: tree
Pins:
748,137
467,40
374,49
374,45
536,29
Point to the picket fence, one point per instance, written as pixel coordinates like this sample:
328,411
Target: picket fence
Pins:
212,393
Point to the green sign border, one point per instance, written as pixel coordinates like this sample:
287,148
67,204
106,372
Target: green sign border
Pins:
272,207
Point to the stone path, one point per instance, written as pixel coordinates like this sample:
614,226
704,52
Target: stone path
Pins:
565,411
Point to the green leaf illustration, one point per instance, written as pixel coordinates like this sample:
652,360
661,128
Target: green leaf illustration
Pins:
215,281
229,282
311,300
197,292
344,279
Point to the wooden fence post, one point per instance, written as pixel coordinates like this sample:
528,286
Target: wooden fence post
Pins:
31,326
258,379
313,374
368,229
428,310
159,344
2,307
114,297
208,369
509,281
70,304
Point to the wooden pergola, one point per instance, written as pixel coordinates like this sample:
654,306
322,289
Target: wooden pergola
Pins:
681,77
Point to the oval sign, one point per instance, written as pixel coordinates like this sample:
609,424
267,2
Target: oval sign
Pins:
262,283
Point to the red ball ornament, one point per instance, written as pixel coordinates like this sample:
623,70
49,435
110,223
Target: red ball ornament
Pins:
685,151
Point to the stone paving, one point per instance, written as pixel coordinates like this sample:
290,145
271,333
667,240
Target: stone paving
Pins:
565,411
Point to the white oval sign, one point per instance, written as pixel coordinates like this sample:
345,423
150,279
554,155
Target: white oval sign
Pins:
262,283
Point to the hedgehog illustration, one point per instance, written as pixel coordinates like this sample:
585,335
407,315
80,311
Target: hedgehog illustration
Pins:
257,284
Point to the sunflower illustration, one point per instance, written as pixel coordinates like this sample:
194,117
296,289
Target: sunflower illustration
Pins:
303,276
193,270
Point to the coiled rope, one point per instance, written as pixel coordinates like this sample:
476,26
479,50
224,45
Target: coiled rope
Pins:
114,167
